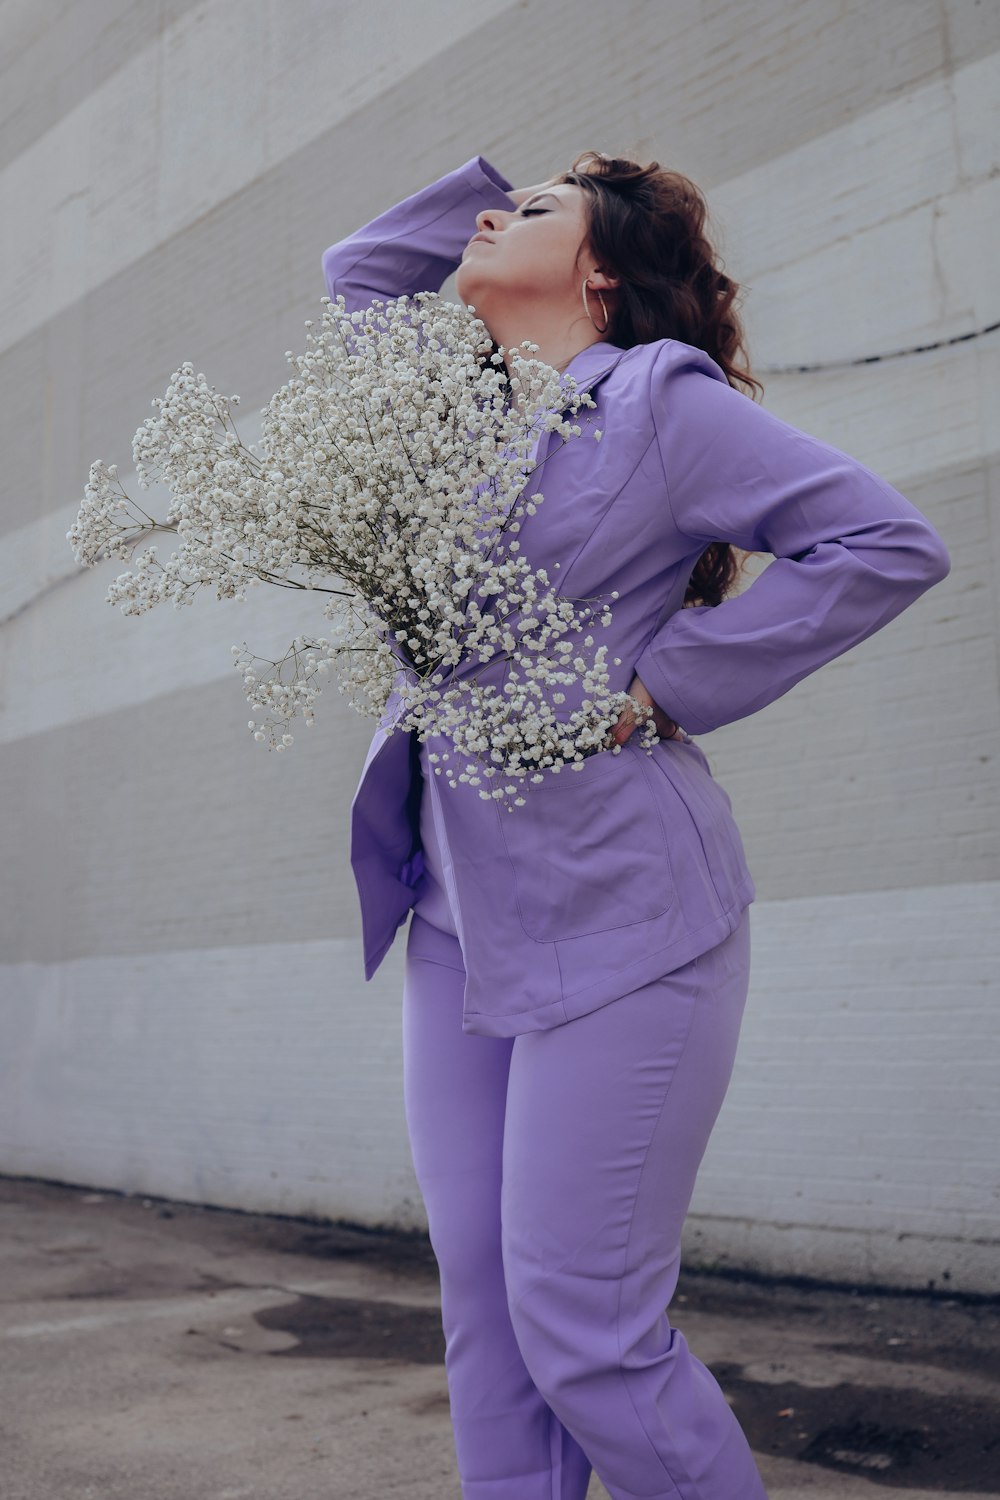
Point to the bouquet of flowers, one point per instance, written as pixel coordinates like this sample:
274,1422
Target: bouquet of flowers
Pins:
388,476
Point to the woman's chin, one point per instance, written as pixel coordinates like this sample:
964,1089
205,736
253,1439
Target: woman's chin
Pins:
471,290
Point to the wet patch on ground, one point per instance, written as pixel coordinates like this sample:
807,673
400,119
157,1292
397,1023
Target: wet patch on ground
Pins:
373,1248
354,1328
897,1437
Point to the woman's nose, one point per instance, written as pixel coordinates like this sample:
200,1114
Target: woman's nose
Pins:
486,219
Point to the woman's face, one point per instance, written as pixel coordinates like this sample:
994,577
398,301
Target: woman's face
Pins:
528,258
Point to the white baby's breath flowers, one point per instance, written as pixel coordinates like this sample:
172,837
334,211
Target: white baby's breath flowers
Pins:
389,478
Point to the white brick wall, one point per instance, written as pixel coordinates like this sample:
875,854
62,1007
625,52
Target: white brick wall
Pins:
859,1136
857,1140
181,1003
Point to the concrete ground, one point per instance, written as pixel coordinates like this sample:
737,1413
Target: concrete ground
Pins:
164,1351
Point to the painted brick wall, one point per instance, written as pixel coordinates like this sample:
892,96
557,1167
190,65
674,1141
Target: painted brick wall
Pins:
182,1009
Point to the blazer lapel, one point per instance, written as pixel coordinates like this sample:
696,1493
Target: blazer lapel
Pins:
588,369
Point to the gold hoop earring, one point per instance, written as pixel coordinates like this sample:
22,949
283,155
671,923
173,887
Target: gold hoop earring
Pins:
586,306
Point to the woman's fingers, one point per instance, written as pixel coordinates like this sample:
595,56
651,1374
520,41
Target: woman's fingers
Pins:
666,728
627,719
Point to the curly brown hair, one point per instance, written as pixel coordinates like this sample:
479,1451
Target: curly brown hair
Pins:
647,226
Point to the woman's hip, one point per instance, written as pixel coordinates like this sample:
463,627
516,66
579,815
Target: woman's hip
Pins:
608,1117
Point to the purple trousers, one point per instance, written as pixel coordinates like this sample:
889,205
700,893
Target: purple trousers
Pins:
556,1169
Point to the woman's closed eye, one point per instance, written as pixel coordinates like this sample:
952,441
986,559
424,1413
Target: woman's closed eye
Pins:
526,211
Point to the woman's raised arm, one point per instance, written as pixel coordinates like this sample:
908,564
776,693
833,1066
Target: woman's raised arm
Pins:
415,245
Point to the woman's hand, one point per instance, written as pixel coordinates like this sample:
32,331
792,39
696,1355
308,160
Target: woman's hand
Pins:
666,728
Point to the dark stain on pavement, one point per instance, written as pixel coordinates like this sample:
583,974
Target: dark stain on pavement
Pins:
377,1249
894,1436
353,1328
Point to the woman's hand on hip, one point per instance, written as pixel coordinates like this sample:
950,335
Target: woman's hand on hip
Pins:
627,721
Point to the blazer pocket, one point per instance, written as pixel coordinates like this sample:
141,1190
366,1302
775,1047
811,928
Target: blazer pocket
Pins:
589,849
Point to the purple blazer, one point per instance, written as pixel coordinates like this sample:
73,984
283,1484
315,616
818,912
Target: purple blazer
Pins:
617,873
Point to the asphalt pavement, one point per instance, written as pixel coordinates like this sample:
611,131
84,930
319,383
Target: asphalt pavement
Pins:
154,1350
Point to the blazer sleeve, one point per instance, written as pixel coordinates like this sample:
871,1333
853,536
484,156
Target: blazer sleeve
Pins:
850,552
415,245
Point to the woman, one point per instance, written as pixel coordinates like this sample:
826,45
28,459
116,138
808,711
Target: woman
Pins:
576,969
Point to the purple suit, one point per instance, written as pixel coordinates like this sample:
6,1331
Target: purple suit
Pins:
616,874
